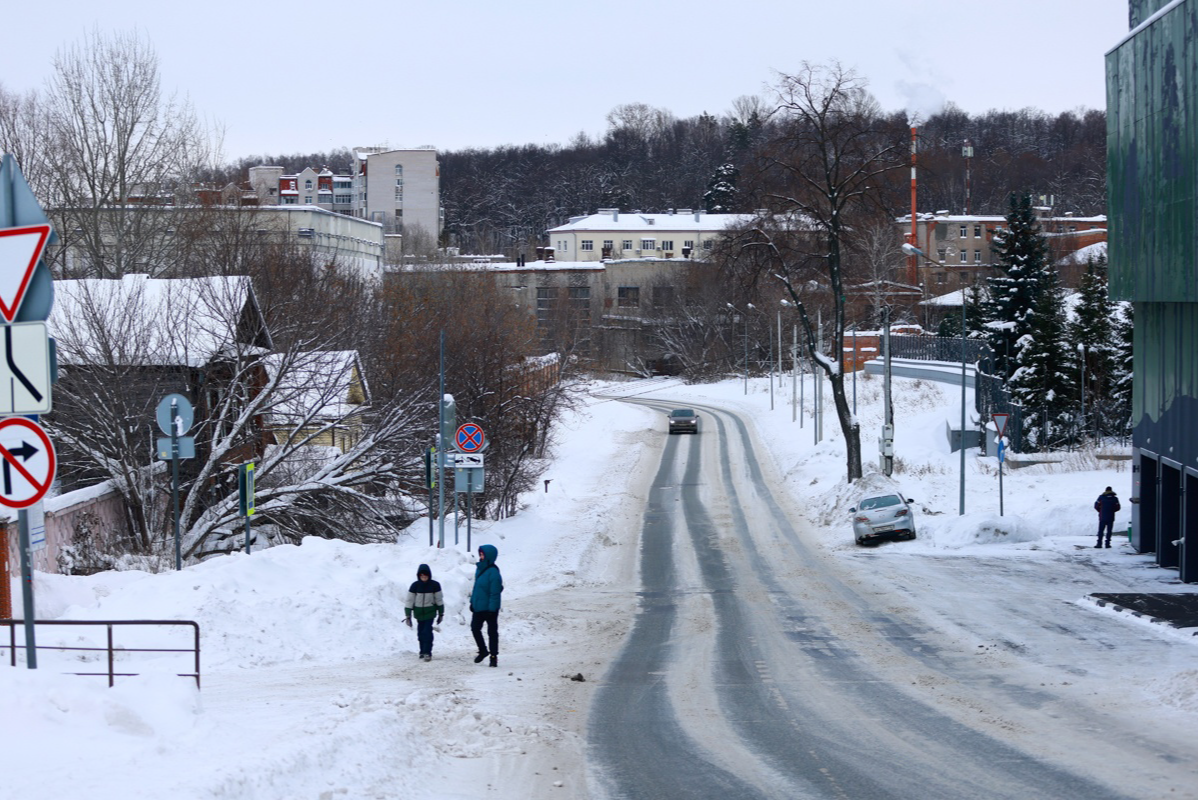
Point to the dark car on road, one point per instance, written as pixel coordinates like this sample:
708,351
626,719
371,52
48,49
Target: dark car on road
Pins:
683,420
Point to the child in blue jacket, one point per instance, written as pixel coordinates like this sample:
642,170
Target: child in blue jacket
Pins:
485,604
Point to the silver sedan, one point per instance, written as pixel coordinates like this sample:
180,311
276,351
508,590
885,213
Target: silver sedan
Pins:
883,516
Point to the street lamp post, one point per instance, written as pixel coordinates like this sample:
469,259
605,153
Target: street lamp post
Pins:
745,319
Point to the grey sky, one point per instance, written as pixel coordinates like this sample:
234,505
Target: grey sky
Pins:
306,76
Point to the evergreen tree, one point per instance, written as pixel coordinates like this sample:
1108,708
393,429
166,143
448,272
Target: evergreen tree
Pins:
1022,255
951,324
1121,383
1043,381
1093,335
721,196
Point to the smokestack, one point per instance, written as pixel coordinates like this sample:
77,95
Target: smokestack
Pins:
911,272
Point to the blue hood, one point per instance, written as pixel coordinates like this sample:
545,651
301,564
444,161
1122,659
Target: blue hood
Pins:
490,554
423,569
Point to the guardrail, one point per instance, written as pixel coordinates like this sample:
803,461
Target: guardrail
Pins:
110,649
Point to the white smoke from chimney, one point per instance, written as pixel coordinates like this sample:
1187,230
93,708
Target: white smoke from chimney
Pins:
923,100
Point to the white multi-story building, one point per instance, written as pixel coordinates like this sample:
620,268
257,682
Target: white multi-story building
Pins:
400,189
611,234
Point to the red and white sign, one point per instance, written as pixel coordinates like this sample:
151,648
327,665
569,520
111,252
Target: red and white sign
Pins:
1000,421
20,250
27,462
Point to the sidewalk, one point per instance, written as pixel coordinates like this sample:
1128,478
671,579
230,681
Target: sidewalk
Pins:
1175,610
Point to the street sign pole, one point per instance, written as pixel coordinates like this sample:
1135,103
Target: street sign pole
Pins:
175,479
1001,476
27,587
470,490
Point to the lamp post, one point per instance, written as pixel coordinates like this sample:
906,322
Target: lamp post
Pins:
745,319
912,250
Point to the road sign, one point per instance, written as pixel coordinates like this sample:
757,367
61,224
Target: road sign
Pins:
37,526
183,409
467,459
20,250
25,372
1000,421
186,445
469,479
27,462
245,489
469,438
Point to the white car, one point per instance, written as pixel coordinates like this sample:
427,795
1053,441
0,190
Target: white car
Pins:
883,516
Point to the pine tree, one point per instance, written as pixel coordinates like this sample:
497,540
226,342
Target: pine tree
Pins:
721,196
1042,383
1121,383
1093,335
1022,255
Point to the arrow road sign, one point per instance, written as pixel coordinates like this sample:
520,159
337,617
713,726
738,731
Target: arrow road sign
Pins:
27,462
25,375
20,250
469,438
467,459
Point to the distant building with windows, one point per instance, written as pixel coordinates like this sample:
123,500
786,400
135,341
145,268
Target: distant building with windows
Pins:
611,234
310,187
962,245
399,189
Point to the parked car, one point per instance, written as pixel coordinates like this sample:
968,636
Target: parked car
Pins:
683,420
883,516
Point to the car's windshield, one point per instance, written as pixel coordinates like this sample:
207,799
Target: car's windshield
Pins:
682,412
879,502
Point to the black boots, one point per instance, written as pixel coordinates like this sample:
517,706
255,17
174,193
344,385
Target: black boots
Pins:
482,655
493,663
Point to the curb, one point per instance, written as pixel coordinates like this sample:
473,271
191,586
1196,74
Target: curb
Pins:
1165,623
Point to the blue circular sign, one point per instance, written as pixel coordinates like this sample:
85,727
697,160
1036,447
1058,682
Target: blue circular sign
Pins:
469,438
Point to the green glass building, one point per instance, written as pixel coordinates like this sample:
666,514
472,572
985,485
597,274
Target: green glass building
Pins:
1152,233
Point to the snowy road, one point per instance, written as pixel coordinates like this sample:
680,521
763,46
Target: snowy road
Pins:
761,666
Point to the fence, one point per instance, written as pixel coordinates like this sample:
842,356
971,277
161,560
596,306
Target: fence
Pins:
110,649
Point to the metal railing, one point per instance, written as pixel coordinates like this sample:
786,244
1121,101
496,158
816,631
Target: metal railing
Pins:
110,649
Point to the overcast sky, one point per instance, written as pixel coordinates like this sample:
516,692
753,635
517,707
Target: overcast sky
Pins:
309,76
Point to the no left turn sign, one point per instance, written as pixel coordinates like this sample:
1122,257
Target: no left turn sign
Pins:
27,462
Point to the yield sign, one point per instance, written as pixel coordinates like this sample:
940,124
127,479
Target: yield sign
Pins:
20,250
27,462
1000,421
469,438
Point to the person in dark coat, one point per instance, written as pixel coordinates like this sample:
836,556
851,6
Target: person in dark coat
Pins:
485,604
1107,504
425,602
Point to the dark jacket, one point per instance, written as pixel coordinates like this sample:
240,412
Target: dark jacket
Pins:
485,596
424,599
1107,504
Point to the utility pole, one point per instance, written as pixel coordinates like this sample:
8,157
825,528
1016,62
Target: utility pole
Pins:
887,445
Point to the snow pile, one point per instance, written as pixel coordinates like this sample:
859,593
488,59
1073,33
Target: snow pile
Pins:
979,528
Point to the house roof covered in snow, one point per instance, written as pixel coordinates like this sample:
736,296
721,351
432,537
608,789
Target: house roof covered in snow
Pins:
323,385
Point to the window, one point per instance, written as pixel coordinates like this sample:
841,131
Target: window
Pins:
343,199
962,232
708,244
289,201
978,256
964,276
940,277
962,256
626,244
307,199
399,194
978,231
547,302
580,302
587,244
668,244
628,296
647,244
688,244
663,296
608,245
399,171
308,186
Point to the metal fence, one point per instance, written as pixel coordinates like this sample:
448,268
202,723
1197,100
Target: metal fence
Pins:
109,648
938,348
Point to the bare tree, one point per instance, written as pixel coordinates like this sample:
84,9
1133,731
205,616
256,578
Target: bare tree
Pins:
822,171
118,148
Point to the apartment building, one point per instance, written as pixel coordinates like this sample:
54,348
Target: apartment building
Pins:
399,189
962,245
320,188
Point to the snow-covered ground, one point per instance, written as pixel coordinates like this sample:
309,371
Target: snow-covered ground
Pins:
311,683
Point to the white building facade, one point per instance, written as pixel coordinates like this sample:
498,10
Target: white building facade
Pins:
399,189
611,234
